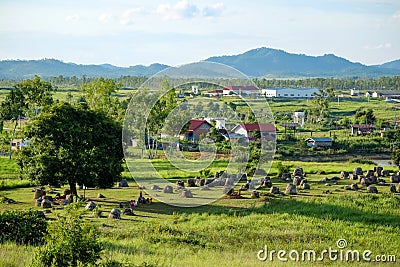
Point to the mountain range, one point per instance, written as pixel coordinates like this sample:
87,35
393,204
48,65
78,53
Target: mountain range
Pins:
260,62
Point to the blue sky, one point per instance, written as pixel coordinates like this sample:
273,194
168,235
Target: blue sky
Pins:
131,32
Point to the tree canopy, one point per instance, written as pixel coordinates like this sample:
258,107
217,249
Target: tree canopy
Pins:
72,145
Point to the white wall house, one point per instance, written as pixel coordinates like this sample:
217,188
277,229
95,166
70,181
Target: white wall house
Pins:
290,92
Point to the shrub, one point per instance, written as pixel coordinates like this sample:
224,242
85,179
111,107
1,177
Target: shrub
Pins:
22,227
71,242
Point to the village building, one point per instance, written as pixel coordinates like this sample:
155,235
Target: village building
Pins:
289,92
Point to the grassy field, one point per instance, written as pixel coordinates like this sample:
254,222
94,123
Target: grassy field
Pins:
230,232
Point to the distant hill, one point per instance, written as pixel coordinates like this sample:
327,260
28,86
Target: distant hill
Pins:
278,63
21,69
260,62
391,65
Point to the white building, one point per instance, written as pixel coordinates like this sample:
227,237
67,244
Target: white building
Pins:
290,92
298,117
354,92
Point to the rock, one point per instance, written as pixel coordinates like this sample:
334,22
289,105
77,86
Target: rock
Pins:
191,182
209,181
353,176
286,176
291,189
251,185
205,188
229,181
304,181
67,192
327,184
41,214
354,186
156,188
358,171
90,205
266,182
128,211
393,188
385,173
327,192
365,181
372,189
324,180
187,194
321,172
115,214
347,187
394,179
100,196
260,172
297,180
378,170
305,186
38,193
255,194
200,182
168,189
243,177
47,211
46,204
227,190
344,175
274,190
216,175
38,202
123,183
369,173
298,172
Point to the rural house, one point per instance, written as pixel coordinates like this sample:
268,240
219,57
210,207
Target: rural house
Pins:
362,129
197,128
247,129
289,92
241,90
319,142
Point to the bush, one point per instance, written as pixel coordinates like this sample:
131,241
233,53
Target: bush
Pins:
71,242
22,227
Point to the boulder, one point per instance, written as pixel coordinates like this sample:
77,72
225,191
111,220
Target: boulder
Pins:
168,189
385,173
286,176
90,205
298,172
305,186
46,204
227,190
115,214
180,183
243,177
100,196
304,181
369,173
123,183
156,188
291,189
205,188
38,193
229,181
297,180
394,179
344,175
191,182
255,194
347,187
372,189
38,202
186,193
358,171
321,172
209,181
267,182
378,170
393,188
41,214
354,186
353,176
128,211
274,190
216,175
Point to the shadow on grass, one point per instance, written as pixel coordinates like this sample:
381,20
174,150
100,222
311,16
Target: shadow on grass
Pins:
321,210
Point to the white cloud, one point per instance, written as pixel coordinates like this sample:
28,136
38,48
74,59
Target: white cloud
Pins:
105,17
379,46
182,9
72,18
128,17
213,10
396,16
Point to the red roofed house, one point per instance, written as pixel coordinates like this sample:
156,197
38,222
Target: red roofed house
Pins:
198,128
247,129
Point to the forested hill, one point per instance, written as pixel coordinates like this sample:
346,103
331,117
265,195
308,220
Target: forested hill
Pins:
260,62
267,62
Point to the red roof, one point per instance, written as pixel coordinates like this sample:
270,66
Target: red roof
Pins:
244,88
194,124
262,127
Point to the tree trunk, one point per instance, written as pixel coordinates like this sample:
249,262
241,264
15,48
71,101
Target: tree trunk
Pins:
72,187
12,137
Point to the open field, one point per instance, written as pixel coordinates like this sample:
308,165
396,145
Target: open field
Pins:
230,232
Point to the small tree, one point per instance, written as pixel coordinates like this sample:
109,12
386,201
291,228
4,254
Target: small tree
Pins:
71,242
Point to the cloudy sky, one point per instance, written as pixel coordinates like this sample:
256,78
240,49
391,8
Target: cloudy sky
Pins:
131,32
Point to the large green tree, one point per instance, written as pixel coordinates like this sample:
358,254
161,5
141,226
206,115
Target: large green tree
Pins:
25,99
393,137
69,145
